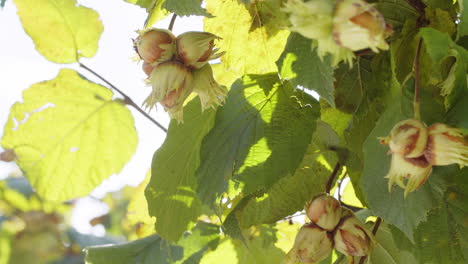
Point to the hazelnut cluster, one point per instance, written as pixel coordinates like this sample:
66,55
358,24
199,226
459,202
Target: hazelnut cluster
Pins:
178,66
331,226
415,148
339,27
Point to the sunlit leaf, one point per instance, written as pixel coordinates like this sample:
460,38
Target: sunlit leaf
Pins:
62,31
259,248
249,33
204,237
260,136
69,135
171,191
137,211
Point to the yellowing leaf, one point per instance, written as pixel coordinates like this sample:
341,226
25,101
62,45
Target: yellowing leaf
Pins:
251,41
137,211
62,30
69,135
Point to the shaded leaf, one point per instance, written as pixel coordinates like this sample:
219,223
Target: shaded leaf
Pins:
185,7
76,29
406,214
440,47
149,250
154,249
68,135
171,191
260,136
443,237
396,12
302,66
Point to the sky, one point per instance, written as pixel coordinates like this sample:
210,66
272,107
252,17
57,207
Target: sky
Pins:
21,66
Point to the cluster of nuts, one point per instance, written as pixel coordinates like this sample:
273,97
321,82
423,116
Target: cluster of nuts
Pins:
332,226
339,27
178,66
415,148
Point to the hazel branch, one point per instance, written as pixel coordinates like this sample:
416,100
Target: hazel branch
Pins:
171,24
332,177
127,99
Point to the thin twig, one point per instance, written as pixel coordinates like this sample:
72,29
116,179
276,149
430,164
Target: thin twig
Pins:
171,24
127,99
416,102
374,231
332,177
376,225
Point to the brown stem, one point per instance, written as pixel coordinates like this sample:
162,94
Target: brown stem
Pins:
332,177
416,102
171,24
127,99
376,225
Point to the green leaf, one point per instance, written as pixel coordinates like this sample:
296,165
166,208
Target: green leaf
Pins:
62,31
69,135
255,44
403,50
291,193
137,210
443,237
463,24
171,192
149,250
303,67
154,249
204,237
407,213
154,8
338,121
141,3
260,136
440,47
260,248
185,7
155,13
443,4
437,43
386,251
396,12
351,84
